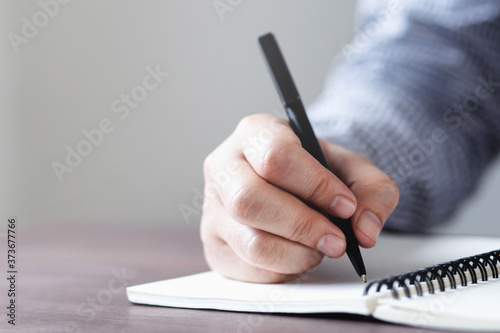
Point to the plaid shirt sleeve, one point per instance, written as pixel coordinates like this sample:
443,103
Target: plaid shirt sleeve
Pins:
418,91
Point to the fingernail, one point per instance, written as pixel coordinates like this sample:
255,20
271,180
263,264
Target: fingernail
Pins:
331,245
342,207
370,224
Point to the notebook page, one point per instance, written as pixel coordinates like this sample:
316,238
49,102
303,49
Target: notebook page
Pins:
332,287
210,290
474,307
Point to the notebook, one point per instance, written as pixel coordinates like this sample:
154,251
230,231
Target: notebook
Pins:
410,295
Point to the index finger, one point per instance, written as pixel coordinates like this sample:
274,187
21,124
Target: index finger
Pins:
281,160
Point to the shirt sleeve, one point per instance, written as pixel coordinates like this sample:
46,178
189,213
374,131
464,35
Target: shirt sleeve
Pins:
418,91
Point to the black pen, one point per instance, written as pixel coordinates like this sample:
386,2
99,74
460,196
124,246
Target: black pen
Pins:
302,127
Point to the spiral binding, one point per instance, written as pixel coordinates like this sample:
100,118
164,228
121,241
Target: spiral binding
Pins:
451,270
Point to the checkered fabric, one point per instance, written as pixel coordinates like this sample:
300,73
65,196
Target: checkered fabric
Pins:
418,91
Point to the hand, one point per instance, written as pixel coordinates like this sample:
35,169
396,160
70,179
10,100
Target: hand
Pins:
255,228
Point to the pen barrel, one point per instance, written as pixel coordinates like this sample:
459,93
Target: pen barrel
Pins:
352,248
302,127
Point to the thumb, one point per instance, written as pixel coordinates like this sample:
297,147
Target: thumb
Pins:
376,193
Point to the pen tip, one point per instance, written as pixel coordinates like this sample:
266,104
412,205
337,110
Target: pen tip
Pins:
364,278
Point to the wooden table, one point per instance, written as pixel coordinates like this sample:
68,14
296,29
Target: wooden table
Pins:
71,278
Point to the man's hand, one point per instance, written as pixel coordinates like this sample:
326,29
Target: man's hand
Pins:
255,225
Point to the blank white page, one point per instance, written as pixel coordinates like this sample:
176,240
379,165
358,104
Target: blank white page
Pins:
475,307
332,287
210,290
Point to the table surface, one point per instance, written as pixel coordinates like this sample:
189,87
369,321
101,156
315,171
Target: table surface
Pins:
71,278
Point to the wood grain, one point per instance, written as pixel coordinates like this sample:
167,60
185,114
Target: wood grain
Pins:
71,279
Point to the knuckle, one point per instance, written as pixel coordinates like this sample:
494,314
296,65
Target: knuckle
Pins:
320,188
388,186
274,161
204,236
253,120
387,190
364,159
246,122
313,260
300,229
211,189
262,251
246,204
206,228
393,190
208,165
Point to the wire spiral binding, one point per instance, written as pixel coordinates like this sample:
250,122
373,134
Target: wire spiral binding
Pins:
451,270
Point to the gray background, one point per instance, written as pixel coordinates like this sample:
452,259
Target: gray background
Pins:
66,77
